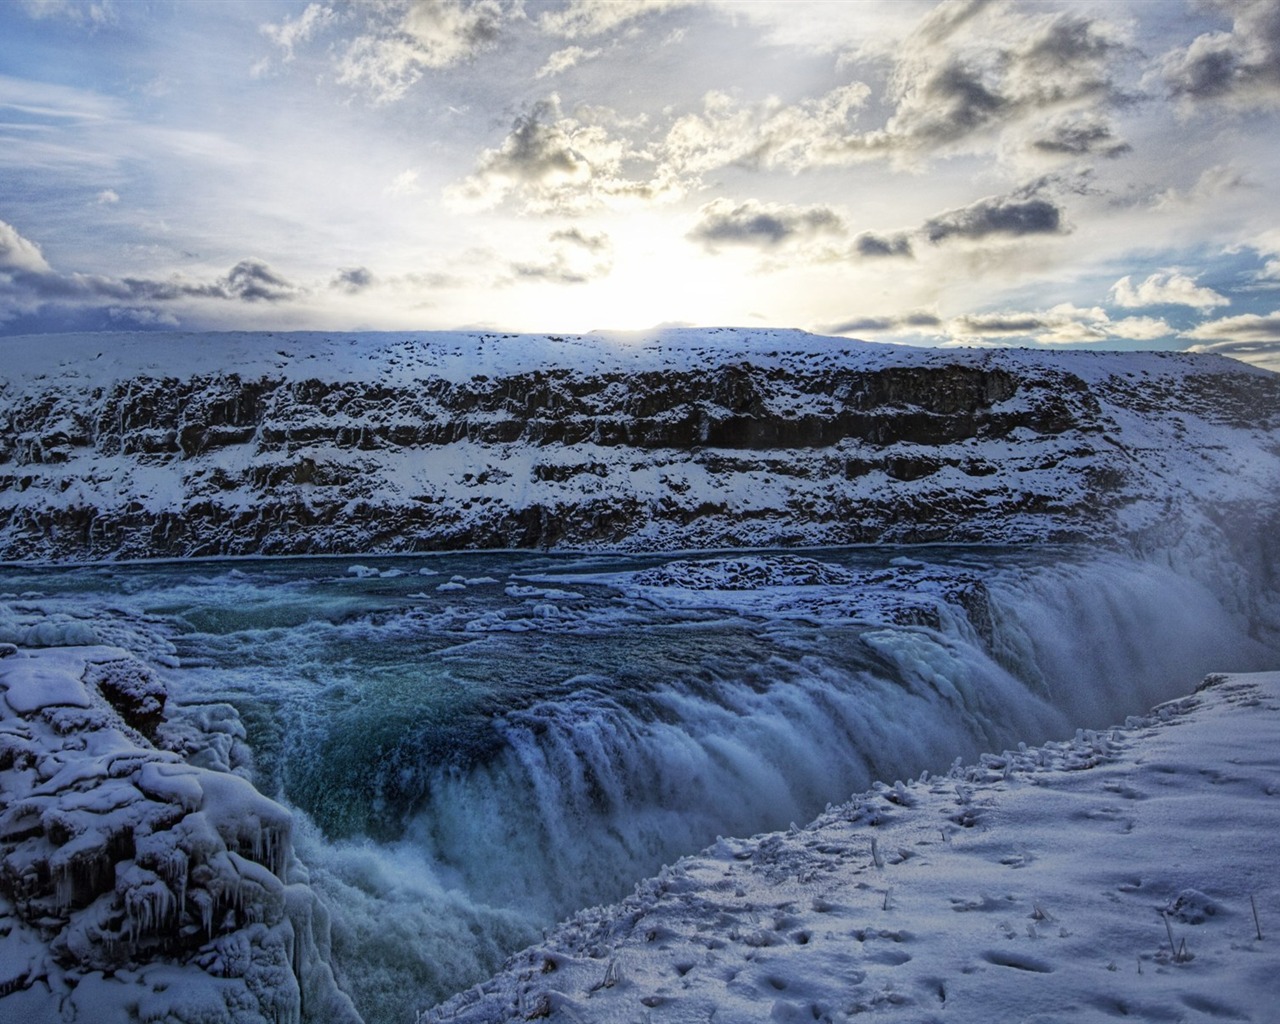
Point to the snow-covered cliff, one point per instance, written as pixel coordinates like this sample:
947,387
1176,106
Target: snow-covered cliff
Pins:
214,444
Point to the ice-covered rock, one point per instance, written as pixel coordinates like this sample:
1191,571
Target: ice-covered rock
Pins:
133,884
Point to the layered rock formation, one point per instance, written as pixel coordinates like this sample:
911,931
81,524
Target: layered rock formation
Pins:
326,444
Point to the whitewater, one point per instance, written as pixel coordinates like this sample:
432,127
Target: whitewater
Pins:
474,747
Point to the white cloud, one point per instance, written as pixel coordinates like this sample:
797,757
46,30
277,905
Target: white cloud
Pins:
1213,183
403,184
93,13
1141,328
765,135
563,60
20,254
1240,67
107,196
569,257
402,39
583,19
552,162
1246,327
1166,288
294,31
1063,324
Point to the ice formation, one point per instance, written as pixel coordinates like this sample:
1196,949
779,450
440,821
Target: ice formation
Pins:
135,885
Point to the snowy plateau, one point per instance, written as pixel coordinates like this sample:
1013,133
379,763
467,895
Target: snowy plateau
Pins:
578,610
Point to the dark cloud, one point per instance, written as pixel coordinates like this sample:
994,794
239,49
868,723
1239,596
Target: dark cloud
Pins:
908,323
254,281
1013,216
1002,323
979,67
27,282
763,225
538,147
873,246
353,280
1080,137
1242,65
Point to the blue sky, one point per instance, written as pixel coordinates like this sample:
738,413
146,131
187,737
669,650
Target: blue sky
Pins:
1073,174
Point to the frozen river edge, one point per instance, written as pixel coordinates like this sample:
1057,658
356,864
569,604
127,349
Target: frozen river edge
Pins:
1128,872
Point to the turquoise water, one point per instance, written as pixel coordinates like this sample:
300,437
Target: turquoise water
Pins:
477,745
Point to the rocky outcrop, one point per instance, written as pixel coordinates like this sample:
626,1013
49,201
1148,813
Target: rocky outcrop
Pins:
759,448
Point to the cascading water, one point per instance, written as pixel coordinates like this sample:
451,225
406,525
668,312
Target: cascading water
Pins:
477,752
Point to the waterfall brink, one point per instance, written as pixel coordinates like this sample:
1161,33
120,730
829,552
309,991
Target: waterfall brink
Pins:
594,787
471,759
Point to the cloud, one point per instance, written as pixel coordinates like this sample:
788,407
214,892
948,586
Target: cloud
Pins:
555,163
1166,288
1001,324
1241,66
971,69
563,60
1079,135
292,32
1063,324
1264,353
1012,216
89,13
907,323
28,281
1248,327
1213,183
873,246
254,281
403,184
575,236
584,19
1140,328
765,135
404,38
761,225
576,258
107,196
353,280
978,68
19,254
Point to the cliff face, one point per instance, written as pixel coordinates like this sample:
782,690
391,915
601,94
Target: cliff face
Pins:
393,443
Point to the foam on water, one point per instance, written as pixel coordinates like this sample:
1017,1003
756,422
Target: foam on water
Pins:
470,765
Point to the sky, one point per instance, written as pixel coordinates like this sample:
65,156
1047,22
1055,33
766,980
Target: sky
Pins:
1097,174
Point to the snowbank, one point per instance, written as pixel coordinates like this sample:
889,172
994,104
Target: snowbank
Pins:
1124,873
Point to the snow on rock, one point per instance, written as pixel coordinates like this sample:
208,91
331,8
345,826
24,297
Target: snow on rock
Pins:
134,885
1124,873
148,446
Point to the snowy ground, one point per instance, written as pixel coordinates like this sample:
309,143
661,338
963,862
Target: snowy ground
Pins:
1130,873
